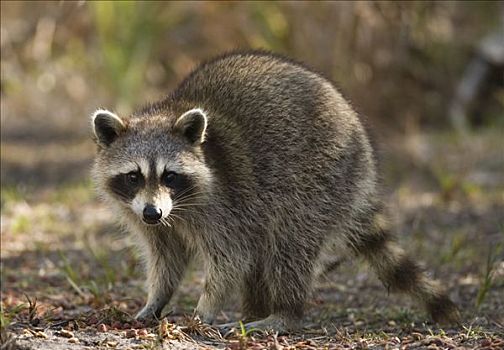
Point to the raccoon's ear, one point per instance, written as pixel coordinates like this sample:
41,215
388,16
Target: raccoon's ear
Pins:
192,125
106,126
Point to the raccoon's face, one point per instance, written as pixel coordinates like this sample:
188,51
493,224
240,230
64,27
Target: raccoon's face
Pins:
152,165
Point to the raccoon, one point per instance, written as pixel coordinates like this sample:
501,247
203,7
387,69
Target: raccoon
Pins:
258,165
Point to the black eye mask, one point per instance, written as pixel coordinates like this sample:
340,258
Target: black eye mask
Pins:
126,186
181,185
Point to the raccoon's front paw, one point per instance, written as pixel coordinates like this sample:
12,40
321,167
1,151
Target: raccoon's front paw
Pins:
206,310
273,323
148,314
205,317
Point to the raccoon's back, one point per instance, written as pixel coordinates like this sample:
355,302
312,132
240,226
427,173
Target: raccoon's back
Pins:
275,122
256,92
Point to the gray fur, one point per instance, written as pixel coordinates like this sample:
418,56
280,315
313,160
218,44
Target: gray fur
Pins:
285,171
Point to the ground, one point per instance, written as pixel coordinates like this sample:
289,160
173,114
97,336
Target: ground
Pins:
70,280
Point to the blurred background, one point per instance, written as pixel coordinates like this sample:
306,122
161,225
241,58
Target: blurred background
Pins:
428,76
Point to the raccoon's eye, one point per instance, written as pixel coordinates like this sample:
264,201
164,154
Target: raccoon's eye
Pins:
168,178
133,178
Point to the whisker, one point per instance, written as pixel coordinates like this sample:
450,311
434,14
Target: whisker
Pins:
184,192
164,222
184,209
189,200
178,217
184,205
187,190
187,207
190,195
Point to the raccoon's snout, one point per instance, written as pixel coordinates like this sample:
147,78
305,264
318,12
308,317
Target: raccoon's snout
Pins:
152,214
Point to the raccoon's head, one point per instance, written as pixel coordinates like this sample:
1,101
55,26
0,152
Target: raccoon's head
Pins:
152,166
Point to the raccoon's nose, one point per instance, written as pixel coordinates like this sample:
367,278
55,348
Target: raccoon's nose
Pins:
152,214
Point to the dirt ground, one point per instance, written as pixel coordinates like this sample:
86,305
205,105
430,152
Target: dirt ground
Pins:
70,280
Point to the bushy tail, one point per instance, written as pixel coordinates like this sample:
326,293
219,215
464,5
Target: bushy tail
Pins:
398,272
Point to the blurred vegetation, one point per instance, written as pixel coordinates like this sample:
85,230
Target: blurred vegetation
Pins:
125,49
399,61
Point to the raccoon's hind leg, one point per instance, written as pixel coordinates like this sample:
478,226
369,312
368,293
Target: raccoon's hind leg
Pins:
371,239
166,259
